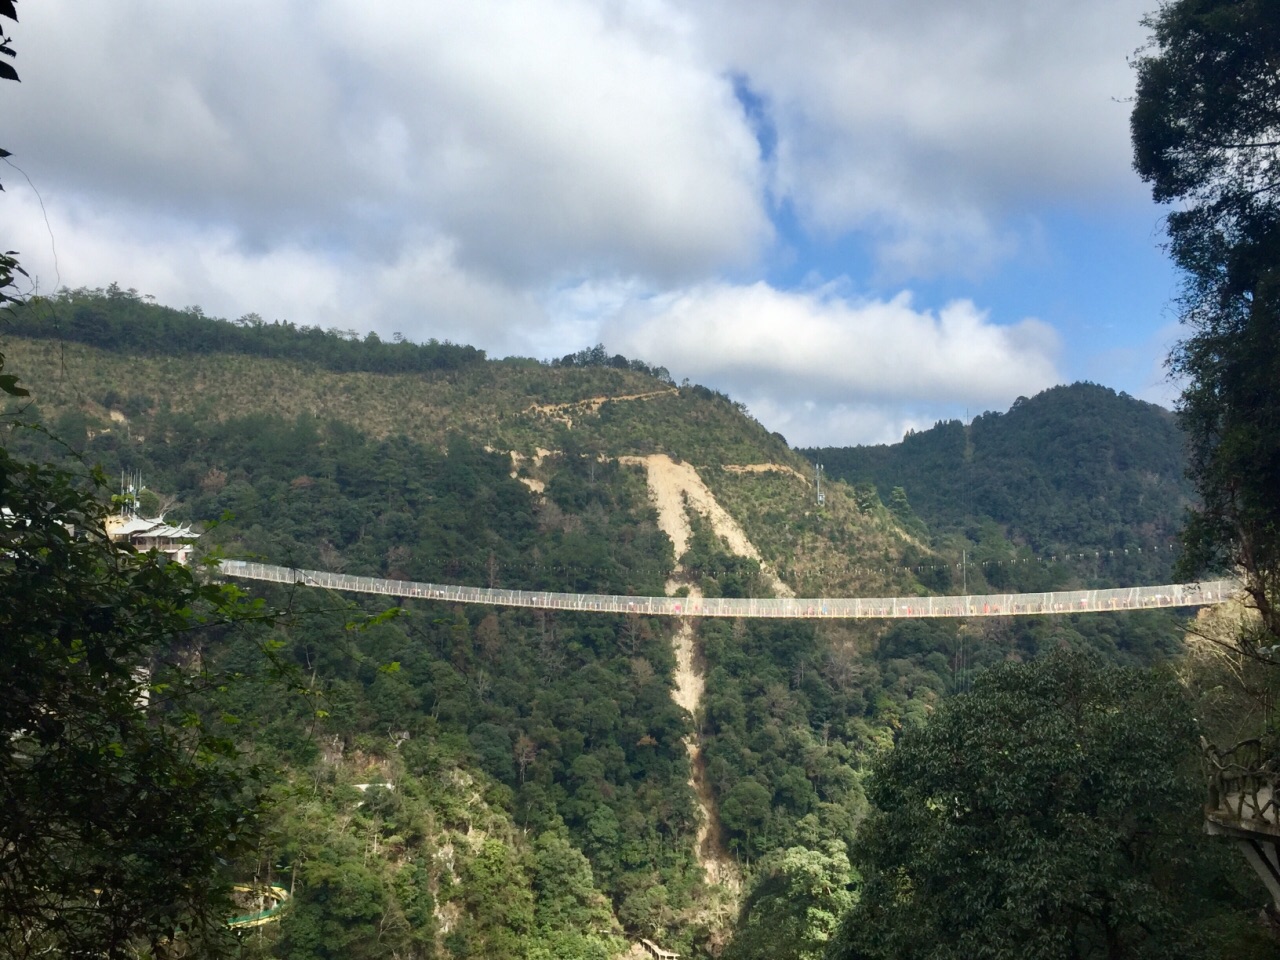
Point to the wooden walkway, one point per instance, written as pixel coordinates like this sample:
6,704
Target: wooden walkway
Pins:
791,608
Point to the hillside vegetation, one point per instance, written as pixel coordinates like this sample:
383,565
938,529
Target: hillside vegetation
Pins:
127,399
504,732
1076,469
459,782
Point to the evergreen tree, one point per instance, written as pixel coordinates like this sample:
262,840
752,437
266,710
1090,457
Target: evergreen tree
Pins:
1206,136
1051,813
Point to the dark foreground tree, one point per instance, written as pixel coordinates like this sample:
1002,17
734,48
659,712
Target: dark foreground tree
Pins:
8,259
119,809
1051,813
1206,136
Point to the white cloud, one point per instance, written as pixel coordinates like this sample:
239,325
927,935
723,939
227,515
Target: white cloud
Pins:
556,132
823,347
550,139
926,124
817,365
422,292
538,138
814,425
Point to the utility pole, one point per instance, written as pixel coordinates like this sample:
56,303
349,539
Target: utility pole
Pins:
822,497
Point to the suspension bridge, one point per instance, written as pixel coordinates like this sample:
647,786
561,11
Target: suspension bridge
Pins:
786,608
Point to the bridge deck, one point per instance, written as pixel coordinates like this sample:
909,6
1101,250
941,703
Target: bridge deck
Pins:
791,608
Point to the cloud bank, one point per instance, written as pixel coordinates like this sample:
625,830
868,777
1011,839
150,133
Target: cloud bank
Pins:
789,354
536,177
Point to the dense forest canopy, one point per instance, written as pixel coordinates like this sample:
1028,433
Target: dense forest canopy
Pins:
1076,468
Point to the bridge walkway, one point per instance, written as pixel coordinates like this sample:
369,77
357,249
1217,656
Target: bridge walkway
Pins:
786,608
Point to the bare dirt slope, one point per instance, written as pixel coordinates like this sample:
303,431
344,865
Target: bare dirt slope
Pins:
670,484
718,867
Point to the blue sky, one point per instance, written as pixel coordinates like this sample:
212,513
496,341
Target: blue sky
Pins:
856,217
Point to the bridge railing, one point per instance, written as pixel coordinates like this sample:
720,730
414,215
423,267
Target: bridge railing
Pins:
789,608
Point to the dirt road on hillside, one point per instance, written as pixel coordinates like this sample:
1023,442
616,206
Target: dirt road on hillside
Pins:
561,411
765,468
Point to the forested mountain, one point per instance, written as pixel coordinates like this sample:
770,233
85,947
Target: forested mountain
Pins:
1076,469
454,781
511,738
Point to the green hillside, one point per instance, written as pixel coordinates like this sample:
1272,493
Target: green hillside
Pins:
515,731
125,404
455,781
1076,469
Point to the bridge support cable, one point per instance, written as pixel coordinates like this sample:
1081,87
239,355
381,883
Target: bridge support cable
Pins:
786,608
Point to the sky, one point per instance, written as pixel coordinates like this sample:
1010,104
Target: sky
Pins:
857,217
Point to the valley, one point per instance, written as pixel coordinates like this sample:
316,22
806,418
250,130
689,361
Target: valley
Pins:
575,771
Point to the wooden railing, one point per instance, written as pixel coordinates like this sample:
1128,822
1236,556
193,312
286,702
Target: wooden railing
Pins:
1243,786
1244,783
656,951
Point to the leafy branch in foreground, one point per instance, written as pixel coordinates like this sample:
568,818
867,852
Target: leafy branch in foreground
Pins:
120,808
1204,124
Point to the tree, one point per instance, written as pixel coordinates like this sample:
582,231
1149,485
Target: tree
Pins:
795,905
1206,135
745,810
1051,813
119,809
8,259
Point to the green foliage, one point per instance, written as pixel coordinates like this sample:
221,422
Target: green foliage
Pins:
1206,112
598,356
1073,469
425,867
1204,135
566,897
1051,813
496,890
122,321
718,571
780,776
840,549
194,364
119,808
540,773
564,722
795,905
566,719
9,269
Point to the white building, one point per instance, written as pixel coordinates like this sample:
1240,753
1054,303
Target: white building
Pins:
146,534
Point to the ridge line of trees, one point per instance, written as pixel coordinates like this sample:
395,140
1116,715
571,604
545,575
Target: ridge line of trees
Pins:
123,321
